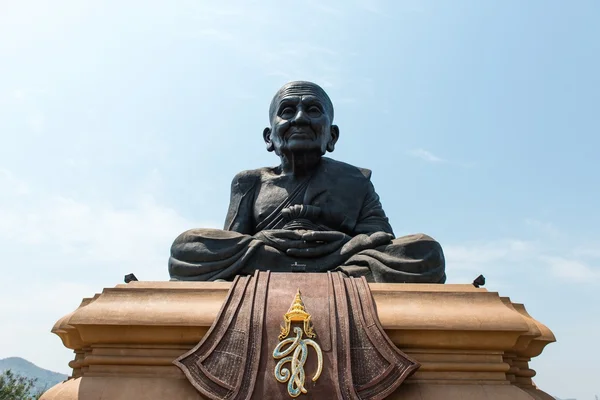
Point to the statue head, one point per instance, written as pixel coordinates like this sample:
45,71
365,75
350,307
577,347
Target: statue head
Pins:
301,116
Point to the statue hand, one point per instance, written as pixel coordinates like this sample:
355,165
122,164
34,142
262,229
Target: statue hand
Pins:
319,243
366,241
281,239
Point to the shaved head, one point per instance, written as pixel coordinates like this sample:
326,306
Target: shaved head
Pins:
301,88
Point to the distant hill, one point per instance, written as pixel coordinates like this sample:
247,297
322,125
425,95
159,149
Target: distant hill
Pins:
45,379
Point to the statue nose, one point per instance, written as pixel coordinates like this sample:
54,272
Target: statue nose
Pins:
300,118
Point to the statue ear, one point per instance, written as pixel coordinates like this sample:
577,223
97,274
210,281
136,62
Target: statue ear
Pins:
335,135
267,139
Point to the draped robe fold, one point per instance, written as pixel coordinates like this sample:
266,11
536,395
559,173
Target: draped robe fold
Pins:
348,204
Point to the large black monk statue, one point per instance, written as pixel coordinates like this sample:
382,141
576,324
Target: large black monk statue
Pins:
309,214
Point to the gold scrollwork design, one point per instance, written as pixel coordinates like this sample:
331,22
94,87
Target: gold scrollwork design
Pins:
295,375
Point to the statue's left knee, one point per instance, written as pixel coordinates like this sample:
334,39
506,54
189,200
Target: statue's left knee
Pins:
417,237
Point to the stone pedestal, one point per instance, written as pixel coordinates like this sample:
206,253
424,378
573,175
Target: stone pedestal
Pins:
471,343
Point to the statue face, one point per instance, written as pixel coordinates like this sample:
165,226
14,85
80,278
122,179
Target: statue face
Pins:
301,122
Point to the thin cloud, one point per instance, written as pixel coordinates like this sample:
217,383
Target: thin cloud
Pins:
590,251
25,95
96,233
543,226
370,6
535,256
80,248
426,156
37,123
11,185
19,95
572,270
475,256
216,34
330,11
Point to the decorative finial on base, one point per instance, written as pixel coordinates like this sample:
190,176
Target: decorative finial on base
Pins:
297,313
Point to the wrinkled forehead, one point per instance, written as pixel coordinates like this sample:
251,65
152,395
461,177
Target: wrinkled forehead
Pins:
294,89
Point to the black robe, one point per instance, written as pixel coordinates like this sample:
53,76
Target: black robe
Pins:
348,203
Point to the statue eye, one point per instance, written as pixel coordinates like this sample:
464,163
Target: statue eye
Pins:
287,112
314,111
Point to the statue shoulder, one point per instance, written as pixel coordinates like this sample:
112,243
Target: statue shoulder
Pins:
346,169
246,180
248,175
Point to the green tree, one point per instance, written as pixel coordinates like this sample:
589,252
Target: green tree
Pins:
17,387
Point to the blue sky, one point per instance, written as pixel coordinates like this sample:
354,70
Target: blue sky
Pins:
122,124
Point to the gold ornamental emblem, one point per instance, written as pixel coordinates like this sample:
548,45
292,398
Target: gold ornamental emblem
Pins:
295,375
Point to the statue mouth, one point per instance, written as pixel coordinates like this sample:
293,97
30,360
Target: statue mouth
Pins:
299,133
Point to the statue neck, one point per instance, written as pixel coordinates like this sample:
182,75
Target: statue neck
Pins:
300,164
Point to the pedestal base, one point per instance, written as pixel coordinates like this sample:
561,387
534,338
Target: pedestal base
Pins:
471,343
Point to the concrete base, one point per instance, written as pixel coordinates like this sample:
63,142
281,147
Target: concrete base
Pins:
471,343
